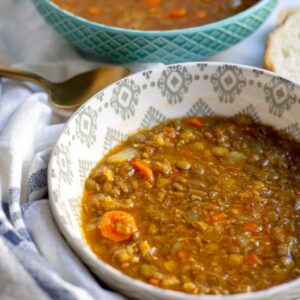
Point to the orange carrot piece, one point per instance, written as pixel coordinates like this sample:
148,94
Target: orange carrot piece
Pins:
169,133
93,11
182,254
109,221
201,14
251,227
144,170
153,3
178,13
218,217
253,259
195,122
154,281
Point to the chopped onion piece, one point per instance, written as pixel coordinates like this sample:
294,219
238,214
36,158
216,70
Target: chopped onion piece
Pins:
122,156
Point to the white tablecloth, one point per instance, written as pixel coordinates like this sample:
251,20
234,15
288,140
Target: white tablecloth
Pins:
35,261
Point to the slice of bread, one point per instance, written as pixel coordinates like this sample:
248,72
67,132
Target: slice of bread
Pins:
283,46
285,13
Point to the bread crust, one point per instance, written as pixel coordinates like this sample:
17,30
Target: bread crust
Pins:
285,13
268,64
269,59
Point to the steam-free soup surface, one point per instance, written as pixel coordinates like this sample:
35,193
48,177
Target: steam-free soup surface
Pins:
155,14
201,205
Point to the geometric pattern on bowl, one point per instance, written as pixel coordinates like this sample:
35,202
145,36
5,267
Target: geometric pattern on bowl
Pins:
143,100
123,45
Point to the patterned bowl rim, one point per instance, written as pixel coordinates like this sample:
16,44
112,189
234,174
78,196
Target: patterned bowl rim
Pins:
86,254
191,30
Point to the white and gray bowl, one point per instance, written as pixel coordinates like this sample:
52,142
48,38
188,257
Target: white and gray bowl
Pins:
143,100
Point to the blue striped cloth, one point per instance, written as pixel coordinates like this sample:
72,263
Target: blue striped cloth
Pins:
29,238
35,260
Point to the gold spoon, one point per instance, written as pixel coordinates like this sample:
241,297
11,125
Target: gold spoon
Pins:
70,94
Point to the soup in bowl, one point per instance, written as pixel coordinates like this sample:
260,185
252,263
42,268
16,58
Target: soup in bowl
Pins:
155,14
166,33
200,197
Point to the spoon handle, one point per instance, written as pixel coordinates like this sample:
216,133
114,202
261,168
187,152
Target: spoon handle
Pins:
24,75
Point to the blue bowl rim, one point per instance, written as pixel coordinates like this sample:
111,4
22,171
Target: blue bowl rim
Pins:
172,32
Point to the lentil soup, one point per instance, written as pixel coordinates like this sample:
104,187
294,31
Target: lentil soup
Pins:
204,205
155,14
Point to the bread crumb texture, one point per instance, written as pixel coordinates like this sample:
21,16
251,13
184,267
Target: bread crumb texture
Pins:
283,47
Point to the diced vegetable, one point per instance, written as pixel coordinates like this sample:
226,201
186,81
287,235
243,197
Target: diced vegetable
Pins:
153,3
93,11
235,260
219,151
170,133
92,185
144,248
195,122
183,164
108,173
187,136
144,170
253,259
117,226
171,266
201,14
236,158
178,13
124,155
251,227
218,218
190,287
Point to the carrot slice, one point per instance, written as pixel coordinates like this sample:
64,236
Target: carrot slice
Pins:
201,14
154,281
93,11
117,226
178,13
218,217
182,254
153,3
251,227
144,170
195,122
253,259
169,133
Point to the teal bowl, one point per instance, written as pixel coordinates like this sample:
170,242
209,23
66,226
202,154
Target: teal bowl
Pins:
120,45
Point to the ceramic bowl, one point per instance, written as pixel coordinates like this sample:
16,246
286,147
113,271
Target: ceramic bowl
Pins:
143,100
123,45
